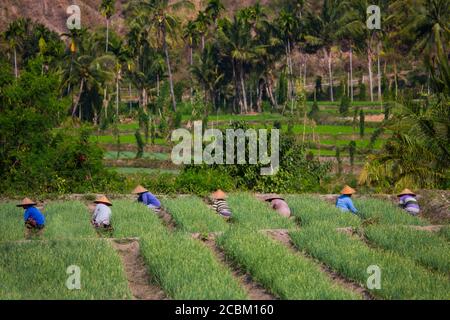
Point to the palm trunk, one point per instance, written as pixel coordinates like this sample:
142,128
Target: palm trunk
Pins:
191,63
351,73
157,85
395,80
369,61
380,98
78,98
129,92
16,72
330,73
169,70
117,98
260,95
107,33
244,94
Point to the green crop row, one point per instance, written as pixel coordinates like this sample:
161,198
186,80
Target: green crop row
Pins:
385,212
310,209
255,214
284,273
422,246
133,219
11,226
187,270
191,214
401,278
445,232
39,270
67,220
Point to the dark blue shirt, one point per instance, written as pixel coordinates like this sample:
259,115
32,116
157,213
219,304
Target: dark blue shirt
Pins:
35,214
148,198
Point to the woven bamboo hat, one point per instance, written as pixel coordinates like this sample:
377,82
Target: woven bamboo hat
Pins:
139,189
405,192
348,190
103,200
219,194
26,202
271,196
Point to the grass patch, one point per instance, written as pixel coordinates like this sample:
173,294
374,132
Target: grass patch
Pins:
310,210
287,275
12,225
191,214
422,246
66,220
445,232
385,212
37,270
401,278
187,270
128,155
255,214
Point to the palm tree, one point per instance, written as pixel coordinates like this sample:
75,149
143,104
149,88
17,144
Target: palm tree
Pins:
107,8
190,36
213,10
13,34
158,15
202,23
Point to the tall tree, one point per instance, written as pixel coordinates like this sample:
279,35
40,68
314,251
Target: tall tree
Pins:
14,34
107,8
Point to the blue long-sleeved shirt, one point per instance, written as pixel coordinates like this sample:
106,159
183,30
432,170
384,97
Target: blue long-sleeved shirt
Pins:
148,198
35,214
345,203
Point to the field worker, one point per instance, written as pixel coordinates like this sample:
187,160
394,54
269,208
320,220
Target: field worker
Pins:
220,204
278,204
33,218
147,198
102,213
407,201
344,201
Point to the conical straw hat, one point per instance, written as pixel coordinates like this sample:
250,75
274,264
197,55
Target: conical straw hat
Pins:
103,200
139,189
27,202
405,192
219,194
348,190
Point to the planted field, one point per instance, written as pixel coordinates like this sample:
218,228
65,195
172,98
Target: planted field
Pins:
132,155
255,214
285,274
133,219
67,220
401,278
422,246
445,232
385,212
11,226
37,270
187,269
191,214
311,210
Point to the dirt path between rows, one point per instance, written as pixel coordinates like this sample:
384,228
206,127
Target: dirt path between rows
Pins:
254,290
283,237
167,219
139,280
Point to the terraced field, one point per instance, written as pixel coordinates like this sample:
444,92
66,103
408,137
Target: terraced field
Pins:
189,252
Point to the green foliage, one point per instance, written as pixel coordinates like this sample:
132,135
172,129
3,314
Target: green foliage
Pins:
401,278
344,106
352,152
201,180
186,269
140,144
255,214
422,246
362,92
314,113
338,160
37,270
285,274
362,123
191,214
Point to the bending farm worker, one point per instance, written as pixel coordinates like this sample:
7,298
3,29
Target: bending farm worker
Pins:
407,201
344,201
147,198
33,218
102,213
278,204
220,204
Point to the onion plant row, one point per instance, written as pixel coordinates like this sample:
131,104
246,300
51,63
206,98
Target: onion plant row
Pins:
445,232
186,269
39,270
385,212
422,246
310,210
191,214
250,212
11,226
401,278
284,273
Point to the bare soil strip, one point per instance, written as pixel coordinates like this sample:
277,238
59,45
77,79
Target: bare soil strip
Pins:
168,220
139,280
254,290
283,237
